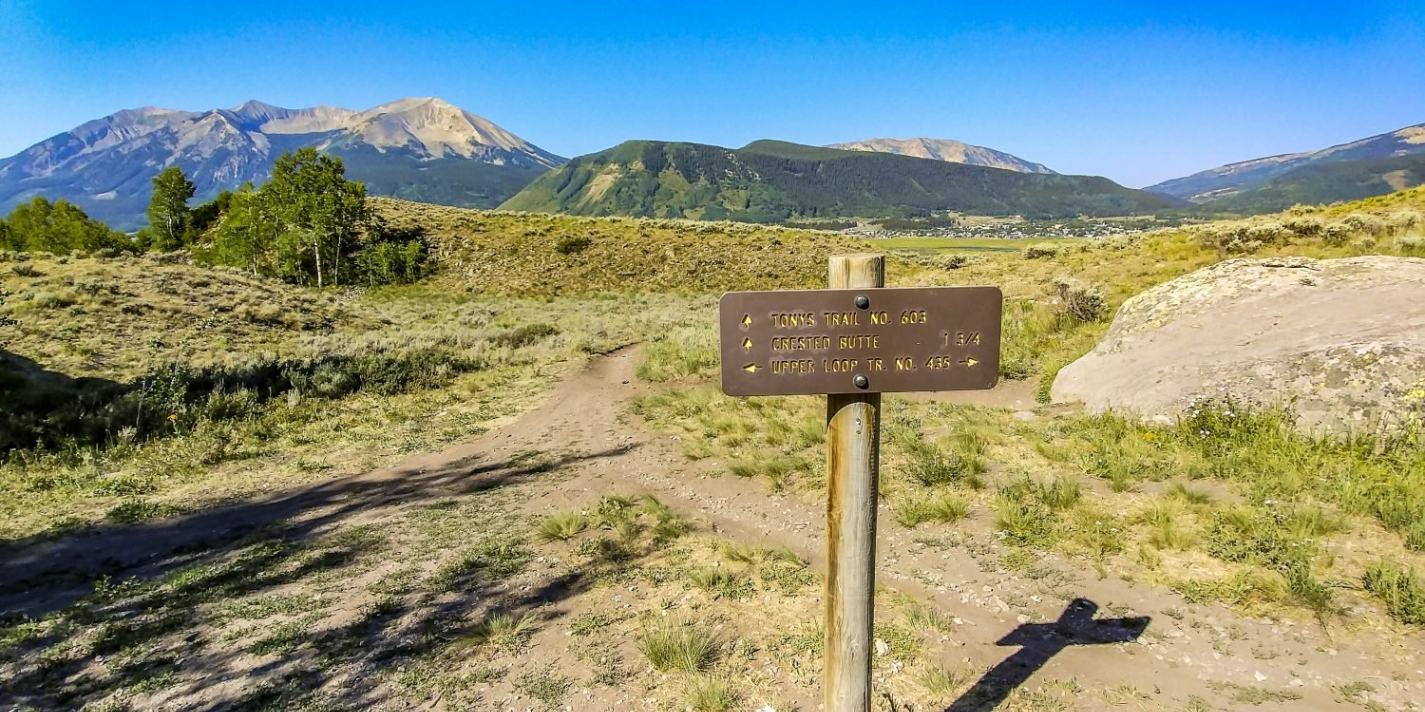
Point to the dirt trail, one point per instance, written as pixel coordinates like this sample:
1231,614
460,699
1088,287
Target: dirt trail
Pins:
602,449
1183,648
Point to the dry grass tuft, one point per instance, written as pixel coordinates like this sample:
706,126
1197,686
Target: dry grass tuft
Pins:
684,648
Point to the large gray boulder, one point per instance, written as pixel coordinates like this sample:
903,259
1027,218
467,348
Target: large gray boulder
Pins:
1340,341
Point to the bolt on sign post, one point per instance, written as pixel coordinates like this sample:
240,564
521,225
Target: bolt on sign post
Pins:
852,342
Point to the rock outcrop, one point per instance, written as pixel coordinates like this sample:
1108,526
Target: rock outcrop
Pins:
1341,342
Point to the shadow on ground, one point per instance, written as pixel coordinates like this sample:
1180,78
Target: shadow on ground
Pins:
34,399
52,411
137,628
1039,642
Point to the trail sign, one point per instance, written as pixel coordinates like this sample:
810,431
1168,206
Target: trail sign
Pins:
851,343
824,341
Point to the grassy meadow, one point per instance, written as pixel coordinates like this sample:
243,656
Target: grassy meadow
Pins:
151,390
535,254
955,245
167,402
1229,504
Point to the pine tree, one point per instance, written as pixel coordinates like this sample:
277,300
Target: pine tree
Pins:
168,213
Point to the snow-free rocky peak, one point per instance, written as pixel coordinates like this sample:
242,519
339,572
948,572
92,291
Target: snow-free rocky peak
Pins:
419,148
944,149
435,128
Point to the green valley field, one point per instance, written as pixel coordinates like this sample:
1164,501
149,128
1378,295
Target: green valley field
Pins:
513,482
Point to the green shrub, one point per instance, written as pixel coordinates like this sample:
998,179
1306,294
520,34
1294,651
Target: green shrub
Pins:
682,353
1365,224
776,468
1059,493
65,413
930,465
1080,301
1251,235
605,550
55,299
572,244
711,694
393,261
720,582
381,372
1165,531
1187,494
139,510
1098,532
1245,587
562,527
945,507
547,686
526,335
1402,592
504,630
616,509
1412,245
1022,521
1247,534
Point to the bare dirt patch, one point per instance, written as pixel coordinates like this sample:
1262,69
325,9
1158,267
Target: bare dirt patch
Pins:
427,583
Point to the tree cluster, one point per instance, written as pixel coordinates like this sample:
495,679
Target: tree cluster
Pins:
307,225
59,227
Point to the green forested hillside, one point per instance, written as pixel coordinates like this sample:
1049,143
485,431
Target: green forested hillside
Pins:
1327,183
445,181
774,180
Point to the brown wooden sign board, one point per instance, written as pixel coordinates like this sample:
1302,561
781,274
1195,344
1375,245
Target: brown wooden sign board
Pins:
822,341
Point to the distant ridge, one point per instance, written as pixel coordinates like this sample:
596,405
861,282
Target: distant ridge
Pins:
1327,182
944,149
420,148
1310,175
776,180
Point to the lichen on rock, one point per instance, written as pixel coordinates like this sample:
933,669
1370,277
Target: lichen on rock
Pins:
1341,342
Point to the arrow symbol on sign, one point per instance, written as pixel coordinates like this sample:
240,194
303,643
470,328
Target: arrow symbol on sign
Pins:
747,344
747,320
969,361
750,368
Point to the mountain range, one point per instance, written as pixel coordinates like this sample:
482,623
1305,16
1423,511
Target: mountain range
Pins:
944,149
426,149
417,148
776,180
1349,171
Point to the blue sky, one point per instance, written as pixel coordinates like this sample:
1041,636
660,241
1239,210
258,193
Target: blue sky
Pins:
1135,91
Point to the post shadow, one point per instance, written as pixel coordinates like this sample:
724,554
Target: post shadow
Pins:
1041,641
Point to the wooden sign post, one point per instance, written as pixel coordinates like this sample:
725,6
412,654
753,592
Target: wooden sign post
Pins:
853,467
853,342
